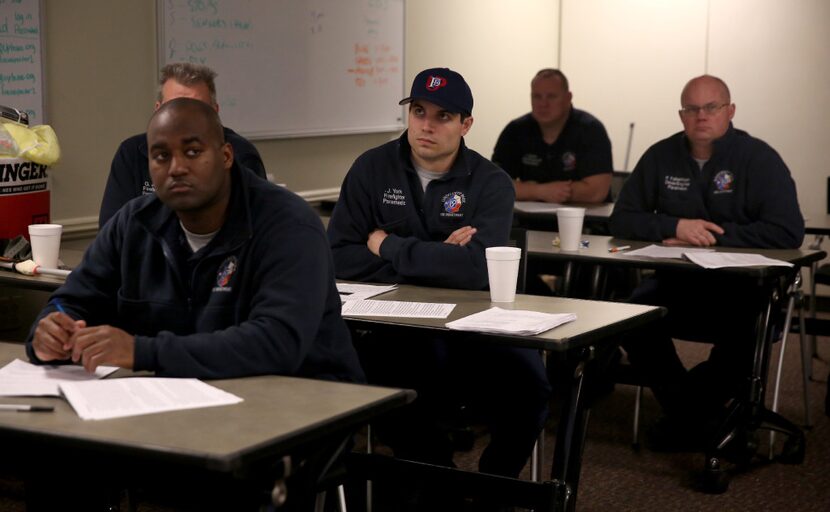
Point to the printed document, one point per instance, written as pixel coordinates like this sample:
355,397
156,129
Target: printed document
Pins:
601,210
20,378
396,309
734,259
662,251
117,398
355,291
536,207
508,321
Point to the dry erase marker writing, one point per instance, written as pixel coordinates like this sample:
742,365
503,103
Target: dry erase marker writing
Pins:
26,408
620,248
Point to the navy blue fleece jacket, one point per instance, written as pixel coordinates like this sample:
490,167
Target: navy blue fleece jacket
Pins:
382,191
260,298
744,187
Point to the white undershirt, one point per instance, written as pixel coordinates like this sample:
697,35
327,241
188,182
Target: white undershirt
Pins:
701,162
195,240
426,176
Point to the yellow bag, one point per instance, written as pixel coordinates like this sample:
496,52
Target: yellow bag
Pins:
38,143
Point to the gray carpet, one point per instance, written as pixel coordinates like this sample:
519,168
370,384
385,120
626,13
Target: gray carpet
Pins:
615,477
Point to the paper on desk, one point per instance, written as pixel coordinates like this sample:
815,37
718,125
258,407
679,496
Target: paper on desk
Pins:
117,398
536,207
355,291
601,210
396,308
662,251
20,378
733,259
507,321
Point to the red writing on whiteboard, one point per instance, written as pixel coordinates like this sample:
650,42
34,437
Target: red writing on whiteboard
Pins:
373,64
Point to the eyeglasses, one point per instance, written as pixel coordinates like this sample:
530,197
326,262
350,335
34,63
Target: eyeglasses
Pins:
708,109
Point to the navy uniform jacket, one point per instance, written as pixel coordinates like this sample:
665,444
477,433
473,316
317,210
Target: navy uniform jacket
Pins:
745,188
382,191
260,298
582,149
130,171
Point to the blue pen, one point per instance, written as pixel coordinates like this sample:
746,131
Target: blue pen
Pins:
58,306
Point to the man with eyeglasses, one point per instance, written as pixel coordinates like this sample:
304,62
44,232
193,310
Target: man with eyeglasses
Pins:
710,184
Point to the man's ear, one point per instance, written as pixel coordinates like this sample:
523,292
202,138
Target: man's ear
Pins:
466,125
227,156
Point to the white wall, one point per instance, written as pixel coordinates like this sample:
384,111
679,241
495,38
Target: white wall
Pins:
627,61
775,57
497,46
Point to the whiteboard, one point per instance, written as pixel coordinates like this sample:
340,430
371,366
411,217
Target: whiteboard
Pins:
21,58
290,68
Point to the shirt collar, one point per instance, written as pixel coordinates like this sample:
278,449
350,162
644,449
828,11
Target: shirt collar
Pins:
459,166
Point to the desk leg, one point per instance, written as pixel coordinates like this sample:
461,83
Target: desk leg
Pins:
538,455
597,278
570,436
369,480
812,337
567,277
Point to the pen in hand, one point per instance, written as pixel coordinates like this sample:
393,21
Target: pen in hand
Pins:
26,408
58,306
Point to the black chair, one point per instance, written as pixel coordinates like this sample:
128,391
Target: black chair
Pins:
624,373
618,179
822,276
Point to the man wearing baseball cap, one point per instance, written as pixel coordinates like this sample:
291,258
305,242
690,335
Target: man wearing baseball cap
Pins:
421,210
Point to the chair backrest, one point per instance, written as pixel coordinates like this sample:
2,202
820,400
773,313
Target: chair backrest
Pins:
518,238
618,179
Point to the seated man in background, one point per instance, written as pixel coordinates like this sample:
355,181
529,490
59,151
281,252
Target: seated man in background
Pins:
129,177
421,210
710,184
556,153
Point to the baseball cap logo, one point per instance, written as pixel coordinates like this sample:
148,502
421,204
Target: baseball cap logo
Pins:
435,82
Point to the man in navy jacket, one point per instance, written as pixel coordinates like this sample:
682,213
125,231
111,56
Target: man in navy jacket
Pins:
421,210
219,274
129,177
556,153
708,185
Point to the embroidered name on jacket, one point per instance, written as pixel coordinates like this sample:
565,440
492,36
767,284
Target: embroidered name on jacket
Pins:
677,183
531,160
394,196
452,204
724,182
225,273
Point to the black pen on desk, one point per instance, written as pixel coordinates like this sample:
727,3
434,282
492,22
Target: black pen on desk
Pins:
26,408
620,248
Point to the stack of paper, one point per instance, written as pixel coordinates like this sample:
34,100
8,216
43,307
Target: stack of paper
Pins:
536,207
733,259
662,251
506,321
394,308
117,398
355,291
19,378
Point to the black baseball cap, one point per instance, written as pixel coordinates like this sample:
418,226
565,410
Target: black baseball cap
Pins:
444,87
